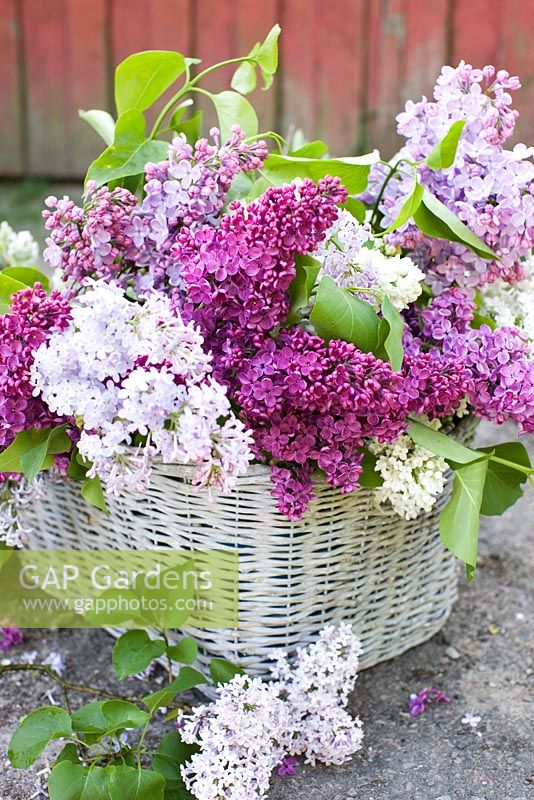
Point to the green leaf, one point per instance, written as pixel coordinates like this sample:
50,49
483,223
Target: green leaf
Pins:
185,651
370,478
393,340
222,671
108,716
460,519
69,753
129,152
8,287
353,171
26,450
245,79
27,276
267,56
315,149
127,783
301,287
170,755
69,781
32,461
143,77
187,679
234,109
134,651
355,207
101,121
434,218
408,209
93,493
337,314
442,445
35,732
503,481
191,127
443,153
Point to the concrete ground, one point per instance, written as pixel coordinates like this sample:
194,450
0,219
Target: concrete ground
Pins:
482,659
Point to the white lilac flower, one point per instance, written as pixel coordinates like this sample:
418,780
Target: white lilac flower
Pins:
243,736
124,370
471,719
255,727
15,496
17,249
511,305
316,687
413,476
352,257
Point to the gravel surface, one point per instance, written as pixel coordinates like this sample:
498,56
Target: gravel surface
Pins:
482,659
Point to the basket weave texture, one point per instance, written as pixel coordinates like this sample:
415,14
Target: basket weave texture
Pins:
346,560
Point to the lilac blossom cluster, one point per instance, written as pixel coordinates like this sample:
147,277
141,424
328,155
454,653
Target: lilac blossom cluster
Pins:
117,237
354,258
32,318
494,366
125,370
491,189
238,275
313,405
255,727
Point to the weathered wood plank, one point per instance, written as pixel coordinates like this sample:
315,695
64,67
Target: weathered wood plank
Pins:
408,46
500,33
11,119
229,29
65,70
322,57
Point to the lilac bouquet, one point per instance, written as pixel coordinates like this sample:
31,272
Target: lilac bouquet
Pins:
219,301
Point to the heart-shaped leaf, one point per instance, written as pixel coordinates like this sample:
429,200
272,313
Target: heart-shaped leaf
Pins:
129,153
35,732
222,671
353,171
143,77
134,651
443,153
460,519
337,314
102,122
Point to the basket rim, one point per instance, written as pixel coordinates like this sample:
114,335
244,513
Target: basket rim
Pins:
263,471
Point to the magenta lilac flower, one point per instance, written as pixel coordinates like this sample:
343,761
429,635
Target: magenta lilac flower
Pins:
237,276
31,320
420,702
9,637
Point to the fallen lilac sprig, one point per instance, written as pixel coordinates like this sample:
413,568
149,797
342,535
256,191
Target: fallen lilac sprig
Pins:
419,703
10,637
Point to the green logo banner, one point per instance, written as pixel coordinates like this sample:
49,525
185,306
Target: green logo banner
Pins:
123,588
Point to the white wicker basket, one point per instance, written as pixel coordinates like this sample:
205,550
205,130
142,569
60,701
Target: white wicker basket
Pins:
345,560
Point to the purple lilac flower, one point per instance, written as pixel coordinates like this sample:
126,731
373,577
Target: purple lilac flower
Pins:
419,703
31,320
502,374
237,277
288,766
187,190
9,637
310,404
491,189
91,242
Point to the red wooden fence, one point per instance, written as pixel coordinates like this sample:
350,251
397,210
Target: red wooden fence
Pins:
347,66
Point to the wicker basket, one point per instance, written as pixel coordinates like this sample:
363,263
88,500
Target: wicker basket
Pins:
345,560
